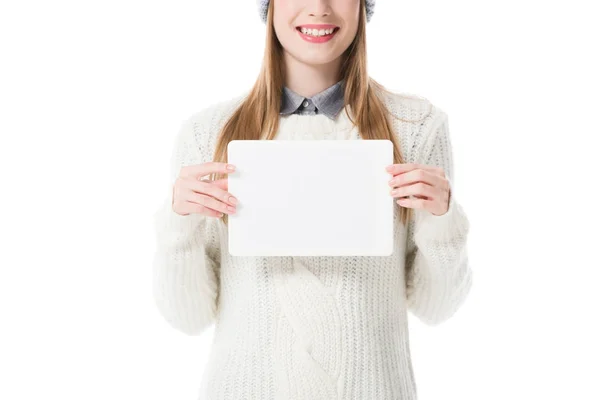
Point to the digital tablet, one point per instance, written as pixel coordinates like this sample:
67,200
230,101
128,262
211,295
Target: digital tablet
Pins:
311,198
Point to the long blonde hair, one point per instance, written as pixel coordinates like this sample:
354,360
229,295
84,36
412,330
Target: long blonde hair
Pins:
257,117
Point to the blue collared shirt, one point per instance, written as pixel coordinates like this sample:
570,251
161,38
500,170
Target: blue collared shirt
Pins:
328,102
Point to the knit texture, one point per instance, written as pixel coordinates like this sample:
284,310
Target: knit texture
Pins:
263,8
318,328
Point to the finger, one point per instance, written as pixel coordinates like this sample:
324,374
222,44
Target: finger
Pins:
414,176
198,171
202,210
211,189
419,189
415,203
188,207
210,202
396,169
222,183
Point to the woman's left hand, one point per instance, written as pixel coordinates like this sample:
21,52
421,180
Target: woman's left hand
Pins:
427,183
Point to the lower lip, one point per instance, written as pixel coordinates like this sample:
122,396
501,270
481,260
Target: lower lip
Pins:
319,39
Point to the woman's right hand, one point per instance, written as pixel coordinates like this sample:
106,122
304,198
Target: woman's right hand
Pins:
191,194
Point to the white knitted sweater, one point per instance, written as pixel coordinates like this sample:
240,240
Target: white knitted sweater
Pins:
311,328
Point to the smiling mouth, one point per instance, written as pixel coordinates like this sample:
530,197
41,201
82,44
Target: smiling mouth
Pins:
318,32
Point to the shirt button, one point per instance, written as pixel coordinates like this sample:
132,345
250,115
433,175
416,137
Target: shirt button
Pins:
305,103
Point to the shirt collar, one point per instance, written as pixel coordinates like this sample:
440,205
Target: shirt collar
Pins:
329,102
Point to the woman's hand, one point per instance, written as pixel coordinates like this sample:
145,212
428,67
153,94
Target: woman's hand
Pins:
427,183
191,194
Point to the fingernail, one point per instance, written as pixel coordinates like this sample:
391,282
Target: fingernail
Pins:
232,200
230,167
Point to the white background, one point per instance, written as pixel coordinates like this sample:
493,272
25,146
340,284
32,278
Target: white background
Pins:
92,94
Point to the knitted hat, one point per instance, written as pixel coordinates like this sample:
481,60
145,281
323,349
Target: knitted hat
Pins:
263,6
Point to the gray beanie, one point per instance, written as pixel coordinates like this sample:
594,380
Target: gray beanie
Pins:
263,6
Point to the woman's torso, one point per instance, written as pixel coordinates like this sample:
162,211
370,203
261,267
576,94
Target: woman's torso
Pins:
311,327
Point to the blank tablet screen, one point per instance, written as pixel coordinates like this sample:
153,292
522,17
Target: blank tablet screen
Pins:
311,198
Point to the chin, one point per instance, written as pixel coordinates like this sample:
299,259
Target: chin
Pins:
316,57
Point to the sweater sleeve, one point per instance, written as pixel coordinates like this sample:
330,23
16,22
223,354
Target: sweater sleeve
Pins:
438,276
187,255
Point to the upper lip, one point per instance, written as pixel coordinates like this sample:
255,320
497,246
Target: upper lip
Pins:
317,26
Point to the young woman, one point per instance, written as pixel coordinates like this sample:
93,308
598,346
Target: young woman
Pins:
318,328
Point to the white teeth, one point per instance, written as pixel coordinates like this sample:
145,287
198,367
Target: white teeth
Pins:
316,32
